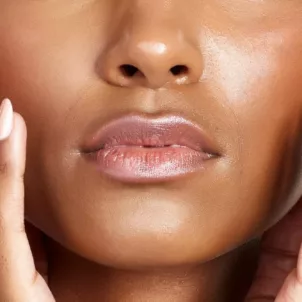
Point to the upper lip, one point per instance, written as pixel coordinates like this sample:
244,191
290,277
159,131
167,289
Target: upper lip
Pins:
139,130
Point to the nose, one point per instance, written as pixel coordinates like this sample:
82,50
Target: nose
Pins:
150,55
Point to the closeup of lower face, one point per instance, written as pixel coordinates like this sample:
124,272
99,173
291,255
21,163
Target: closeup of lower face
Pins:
159,132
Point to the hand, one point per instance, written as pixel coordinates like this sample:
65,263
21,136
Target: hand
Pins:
19,279
279,276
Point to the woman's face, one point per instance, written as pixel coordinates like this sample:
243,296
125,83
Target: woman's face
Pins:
231,67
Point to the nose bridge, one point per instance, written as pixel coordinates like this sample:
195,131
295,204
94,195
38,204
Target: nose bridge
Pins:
151,47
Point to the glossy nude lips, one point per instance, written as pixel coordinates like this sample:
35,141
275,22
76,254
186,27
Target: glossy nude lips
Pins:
139,149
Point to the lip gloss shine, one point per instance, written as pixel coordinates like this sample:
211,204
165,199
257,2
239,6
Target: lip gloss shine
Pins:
139,149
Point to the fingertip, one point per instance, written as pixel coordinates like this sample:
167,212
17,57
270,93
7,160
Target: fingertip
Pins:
6,119
17,142
19,120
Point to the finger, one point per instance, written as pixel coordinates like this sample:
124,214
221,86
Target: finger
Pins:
278,258
19,280
291,290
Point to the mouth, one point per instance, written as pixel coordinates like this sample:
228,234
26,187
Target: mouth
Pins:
135,148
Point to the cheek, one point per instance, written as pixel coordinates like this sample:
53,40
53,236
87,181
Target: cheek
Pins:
45,71
259,81
43,61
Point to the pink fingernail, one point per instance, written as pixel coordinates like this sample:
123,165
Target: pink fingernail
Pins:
6,119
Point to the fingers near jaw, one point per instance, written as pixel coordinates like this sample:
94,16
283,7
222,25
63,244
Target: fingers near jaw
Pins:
279,277
15,261
18,278
291,290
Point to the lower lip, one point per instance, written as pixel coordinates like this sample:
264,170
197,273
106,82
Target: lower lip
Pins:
138,164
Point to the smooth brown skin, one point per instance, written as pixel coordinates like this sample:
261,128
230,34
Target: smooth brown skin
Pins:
60,66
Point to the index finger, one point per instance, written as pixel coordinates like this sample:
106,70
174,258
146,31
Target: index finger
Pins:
19,278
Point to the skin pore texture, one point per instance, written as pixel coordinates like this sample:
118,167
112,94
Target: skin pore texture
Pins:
62,63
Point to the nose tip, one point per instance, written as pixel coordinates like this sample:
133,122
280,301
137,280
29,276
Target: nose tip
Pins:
152,63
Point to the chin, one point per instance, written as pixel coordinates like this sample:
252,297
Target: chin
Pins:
157,239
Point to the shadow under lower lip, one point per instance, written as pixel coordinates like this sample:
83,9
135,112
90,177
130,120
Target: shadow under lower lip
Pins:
132,164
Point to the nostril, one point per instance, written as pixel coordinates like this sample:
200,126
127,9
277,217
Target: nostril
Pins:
128,70
179,70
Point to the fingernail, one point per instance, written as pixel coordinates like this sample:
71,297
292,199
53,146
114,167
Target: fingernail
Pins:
6,119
